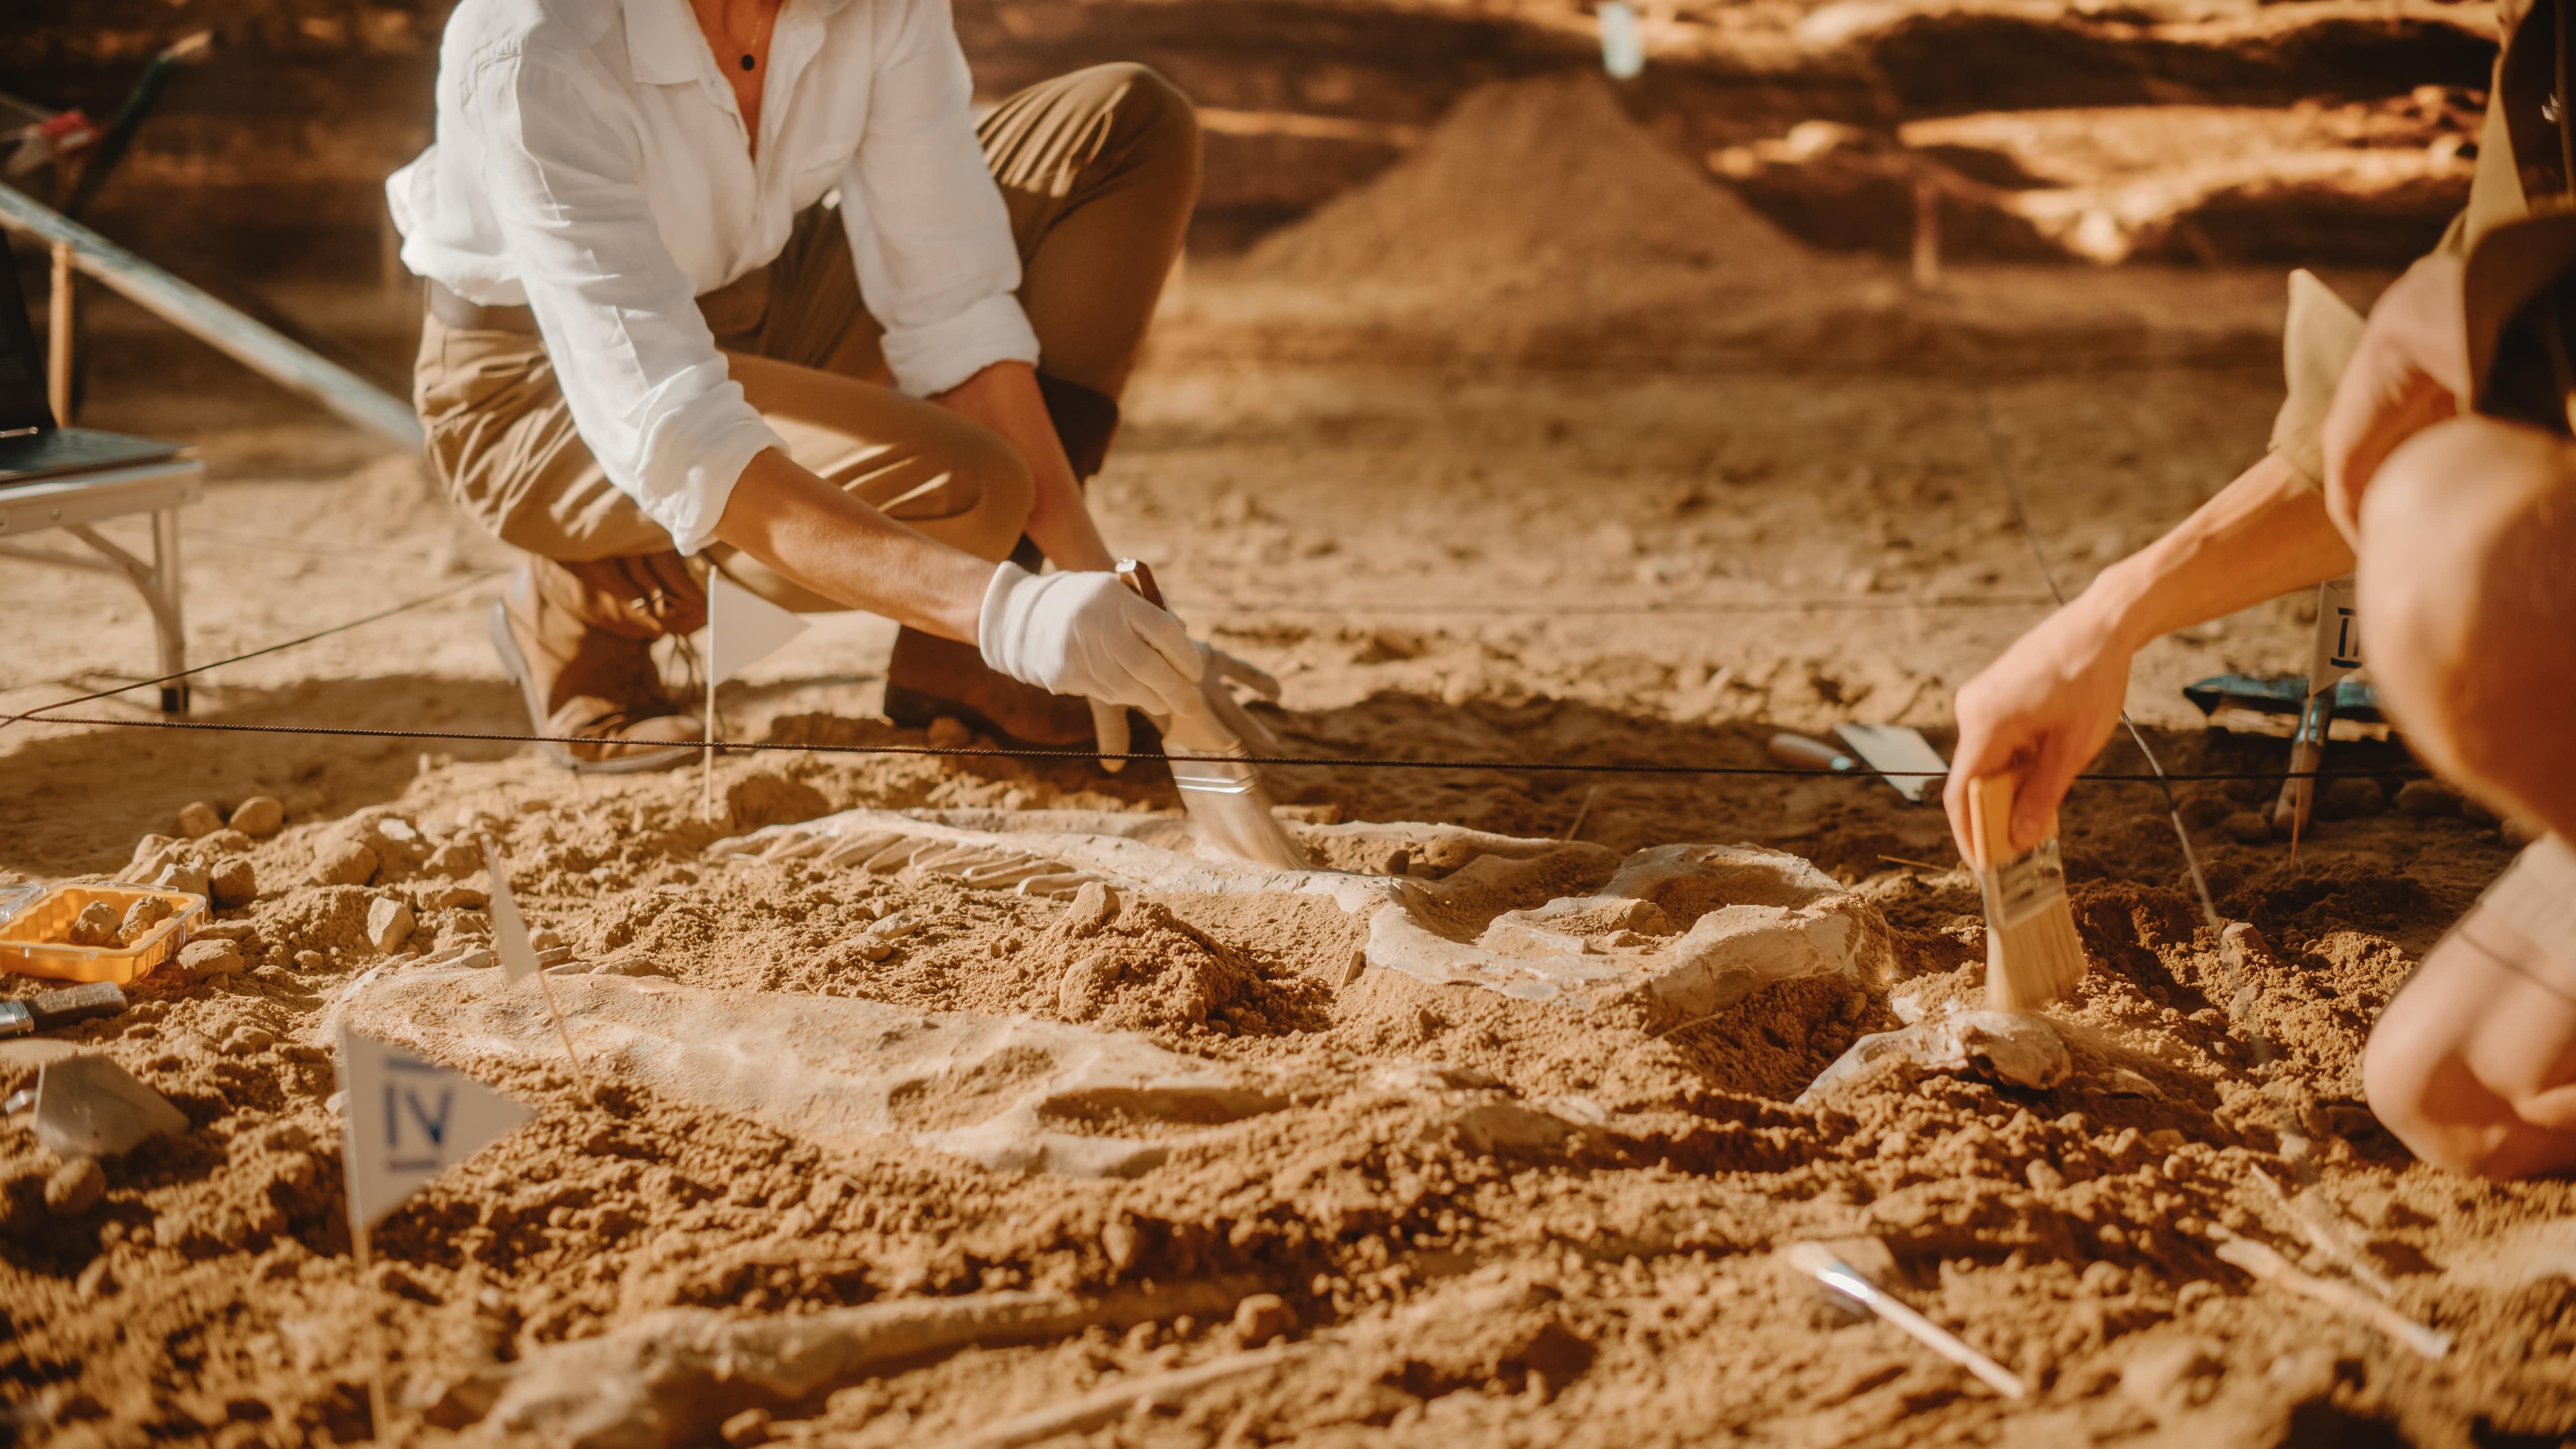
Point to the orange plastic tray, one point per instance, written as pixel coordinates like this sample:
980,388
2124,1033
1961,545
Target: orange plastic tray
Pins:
33,933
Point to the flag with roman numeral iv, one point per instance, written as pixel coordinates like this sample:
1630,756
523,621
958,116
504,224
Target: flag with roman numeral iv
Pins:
406,1121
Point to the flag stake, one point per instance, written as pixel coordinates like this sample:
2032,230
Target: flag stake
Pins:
707,771
378,1402
519,957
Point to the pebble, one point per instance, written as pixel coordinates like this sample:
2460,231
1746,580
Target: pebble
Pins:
259,816
389,924
150,846
2247,828
198,820
234,883
348,863
1094,906
181,876
76,1188
205,960
96,925
947,733
140,917
2351,796
747,1428
2105,1280
2427,798
1261,1318
455,860
2044,1177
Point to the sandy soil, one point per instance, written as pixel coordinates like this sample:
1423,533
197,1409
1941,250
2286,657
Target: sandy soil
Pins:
1514,510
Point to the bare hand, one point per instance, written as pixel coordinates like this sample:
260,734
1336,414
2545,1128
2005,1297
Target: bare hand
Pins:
2411,372
2040,712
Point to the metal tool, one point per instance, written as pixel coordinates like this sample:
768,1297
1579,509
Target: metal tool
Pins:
2354,699
53,1010
1220,789
1900,754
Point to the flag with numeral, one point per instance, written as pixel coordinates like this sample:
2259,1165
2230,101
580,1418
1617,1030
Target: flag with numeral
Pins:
406,1121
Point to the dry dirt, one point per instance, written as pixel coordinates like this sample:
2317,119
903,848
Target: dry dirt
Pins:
1464,514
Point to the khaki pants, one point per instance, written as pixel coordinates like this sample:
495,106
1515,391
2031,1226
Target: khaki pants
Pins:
1098,169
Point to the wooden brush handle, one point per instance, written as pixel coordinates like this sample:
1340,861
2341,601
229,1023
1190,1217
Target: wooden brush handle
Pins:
1990,806
1138,575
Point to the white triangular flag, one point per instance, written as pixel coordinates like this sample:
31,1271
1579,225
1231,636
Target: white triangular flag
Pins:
406,1121
743,628
509,933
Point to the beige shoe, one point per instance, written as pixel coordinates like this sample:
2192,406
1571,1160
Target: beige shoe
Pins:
577,638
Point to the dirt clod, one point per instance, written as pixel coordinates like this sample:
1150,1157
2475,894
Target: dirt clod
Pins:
96,925
205,960
349,862
259,817
197,819
75,1188
234,882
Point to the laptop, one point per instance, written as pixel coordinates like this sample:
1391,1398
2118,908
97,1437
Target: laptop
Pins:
31,447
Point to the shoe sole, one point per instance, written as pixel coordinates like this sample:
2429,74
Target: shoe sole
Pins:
515,664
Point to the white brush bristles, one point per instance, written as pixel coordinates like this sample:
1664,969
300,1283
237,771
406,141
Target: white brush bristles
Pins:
2033,955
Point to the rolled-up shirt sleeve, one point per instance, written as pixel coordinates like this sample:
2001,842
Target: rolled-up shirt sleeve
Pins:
927,227
649,391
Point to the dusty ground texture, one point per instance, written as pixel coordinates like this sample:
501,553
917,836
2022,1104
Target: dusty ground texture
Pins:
1478,519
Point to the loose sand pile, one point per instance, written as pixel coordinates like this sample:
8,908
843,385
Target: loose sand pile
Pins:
1495,1218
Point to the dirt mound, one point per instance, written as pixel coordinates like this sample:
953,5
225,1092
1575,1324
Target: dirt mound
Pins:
1541,187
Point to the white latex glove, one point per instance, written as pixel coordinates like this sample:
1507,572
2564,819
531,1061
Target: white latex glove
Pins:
1220,673
1087,634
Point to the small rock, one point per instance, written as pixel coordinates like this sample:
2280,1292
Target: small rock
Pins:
389,923
2242,944
2247,828
894,927
867,948
1094,906
205,960
140,918
348,863
747,1428
76,1188
182,876
227,841
2105,1280
455,897
234,883
455,860
259,816
2016,1048
2427,798
96,1281
1261,1318
198,820
88,1106
544,939
150,846
397,829
2351,796
2165,1139
2044,1176
96,925
946,733
309,961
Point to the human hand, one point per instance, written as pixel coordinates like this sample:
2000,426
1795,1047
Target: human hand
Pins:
1217,679
1087,633
2410,372
2040,712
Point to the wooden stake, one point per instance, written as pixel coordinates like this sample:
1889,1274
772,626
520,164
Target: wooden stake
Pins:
379,1403
707,776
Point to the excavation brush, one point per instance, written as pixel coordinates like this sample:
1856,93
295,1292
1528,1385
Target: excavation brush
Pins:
1219,787
2033,955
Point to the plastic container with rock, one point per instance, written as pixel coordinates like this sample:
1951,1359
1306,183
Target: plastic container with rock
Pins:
93,932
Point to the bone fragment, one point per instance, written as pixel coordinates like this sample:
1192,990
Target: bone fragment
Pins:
1106,1406
673,1376
2262,1262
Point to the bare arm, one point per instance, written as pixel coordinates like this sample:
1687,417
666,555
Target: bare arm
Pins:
847,551
2047,707
1005,398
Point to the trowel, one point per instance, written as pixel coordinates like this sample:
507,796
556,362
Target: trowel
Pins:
1900,755
1219,787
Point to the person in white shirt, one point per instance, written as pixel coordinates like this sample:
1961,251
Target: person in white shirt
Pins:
743,284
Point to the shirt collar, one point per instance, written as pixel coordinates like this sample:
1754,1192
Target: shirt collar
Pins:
663,46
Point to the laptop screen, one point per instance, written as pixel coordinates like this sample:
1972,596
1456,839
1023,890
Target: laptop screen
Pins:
22,365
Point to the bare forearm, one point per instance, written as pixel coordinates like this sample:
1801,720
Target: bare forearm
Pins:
1005,398
841,548
2261,536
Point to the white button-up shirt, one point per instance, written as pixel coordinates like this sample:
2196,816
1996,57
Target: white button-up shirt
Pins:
591,163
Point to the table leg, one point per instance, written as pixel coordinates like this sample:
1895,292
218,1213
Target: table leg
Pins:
169,621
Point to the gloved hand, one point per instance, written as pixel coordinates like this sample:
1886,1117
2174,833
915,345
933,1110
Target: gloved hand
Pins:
1222,671
1087,634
